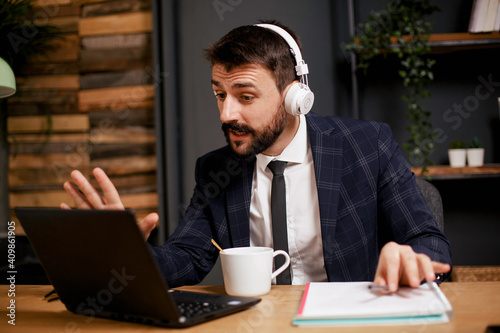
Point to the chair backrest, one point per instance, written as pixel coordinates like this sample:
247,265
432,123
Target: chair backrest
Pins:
433,199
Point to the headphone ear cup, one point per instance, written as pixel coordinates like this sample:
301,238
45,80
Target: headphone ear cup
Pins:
299,99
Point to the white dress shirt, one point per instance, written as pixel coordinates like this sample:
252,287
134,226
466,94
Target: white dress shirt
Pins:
303,221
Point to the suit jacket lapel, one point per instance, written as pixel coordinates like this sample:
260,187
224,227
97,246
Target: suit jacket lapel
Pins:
327,155
238,197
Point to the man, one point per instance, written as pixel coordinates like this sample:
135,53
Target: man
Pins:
354,211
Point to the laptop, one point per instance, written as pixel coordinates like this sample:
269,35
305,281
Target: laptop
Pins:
100,266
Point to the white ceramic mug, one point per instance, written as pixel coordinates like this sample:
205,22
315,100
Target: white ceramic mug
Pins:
247,271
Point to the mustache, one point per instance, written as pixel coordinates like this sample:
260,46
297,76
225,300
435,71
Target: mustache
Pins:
237,127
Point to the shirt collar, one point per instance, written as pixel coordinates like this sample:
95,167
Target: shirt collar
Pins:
295,152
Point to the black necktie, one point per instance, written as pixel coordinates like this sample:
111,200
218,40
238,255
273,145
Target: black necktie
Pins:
278,216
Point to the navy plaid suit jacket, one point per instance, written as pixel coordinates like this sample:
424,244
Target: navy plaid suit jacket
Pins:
367,197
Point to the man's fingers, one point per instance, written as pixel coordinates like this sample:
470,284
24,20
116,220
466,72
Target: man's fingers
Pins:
400,265
410,266
388,270
92,196
109,190
426,268
80,201
88,197
148,224
393,274
440,268
379,279
65,206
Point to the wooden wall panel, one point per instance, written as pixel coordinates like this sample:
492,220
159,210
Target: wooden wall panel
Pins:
87,104
55,123
96,99
50,82
118,23
40,198
117,92
33,171
39,3
115,7
66,50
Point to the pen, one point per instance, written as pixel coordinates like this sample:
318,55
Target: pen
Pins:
375,287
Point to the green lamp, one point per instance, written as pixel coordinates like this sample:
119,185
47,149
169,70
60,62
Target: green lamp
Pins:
7,80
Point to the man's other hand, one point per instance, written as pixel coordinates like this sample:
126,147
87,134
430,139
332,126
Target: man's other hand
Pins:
400,265
87,197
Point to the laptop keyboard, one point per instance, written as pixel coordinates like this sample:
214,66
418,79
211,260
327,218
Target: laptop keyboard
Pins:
190,309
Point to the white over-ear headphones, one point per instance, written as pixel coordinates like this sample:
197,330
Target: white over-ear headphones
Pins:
299,98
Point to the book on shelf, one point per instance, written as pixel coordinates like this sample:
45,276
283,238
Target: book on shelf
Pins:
485,16
497,20
354,303
491,16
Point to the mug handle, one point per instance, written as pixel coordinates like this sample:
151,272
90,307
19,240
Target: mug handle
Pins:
284,266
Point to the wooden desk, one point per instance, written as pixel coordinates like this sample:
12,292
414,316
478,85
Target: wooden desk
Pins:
476,305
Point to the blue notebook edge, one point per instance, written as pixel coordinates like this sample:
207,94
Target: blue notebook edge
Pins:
434,319
444,317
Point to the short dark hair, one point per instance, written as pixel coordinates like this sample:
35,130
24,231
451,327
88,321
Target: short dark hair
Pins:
256,45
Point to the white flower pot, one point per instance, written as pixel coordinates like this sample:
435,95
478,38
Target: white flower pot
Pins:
457,157
475,157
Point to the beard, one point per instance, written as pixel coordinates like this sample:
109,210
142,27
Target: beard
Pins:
260,140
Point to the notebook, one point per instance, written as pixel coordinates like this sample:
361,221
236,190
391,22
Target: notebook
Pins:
100,266
353,303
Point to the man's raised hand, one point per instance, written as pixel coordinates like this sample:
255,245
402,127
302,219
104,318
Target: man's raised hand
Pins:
87,197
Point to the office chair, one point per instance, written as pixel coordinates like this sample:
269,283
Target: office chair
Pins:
433,199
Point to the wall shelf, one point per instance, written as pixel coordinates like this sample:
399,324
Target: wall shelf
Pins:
441,172
447,42
463,41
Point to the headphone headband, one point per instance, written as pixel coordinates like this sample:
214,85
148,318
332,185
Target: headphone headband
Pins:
301,67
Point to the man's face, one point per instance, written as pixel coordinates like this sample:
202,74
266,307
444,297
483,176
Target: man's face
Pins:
251,108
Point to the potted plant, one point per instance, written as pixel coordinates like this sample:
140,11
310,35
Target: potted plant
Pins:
475,153
457,154
401,28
